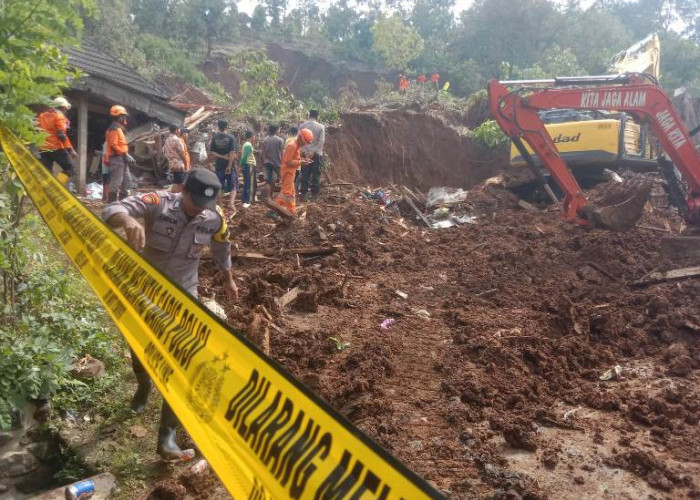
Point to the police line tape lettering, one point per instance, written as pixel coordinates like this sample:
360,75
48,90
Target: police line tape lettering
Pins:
263,433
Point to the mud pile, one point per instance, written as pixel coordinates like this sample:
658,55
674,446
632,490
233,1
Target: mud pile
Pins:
489,382
407,147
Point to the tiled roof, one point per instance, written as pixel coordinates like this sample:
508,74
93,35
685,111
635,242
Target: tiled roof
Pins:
91,60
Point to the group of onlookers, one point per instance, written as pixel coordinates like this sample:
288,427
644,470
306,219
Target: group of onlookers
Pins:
294,162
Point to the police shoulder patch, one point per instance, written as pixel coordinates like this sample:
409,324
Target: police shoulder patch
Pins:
151,198
222,234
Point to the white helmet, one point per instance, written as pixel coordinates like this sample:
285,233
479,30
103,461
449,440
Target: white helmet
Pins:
60,102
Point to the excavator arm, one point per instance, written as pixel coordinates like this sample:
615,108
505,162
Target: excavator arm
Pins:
516,111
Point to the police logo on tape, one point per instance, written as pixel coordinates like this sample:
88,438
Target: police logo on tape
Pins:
205,386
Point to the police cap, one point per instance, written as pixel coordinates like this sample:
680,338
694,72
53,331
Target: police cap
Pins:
203,186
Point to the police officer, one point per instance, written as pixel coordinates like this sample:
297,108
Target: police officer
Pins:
177,228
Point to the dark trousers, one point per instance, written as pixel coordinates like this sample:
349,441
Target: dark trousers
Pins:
250,183
168,419
311,177
62,157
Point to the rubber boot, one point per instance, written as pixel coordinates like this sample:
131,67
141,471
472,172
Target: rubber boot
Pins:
140,399
167,447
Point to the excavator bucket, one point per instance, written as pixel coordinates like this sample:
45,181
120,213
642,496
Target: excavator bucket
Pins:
619,205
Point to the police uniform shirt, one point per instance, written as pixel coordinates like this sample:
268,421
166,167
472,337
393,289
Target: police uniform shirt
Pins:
174,242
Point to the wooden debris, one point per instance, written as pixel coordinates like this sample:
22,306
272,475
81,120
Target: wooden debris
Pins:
652,228
487,293
528,206
278,209
242,254
418,212
314,250
675,274
288,297
602,271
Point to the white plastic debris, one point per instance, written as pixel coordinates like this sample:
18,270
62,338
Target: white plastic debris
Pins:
612,374
214,307
445,196
94,191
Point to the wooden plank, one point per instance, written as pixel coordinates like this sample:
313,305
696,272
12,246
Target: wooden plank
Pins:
82,144
278,209
242,254
313,250
675,274
528,206
288,297
418,212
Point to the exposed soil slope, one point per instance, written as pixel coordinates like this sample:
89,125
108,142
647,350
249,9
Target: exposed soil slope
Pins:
497,393
407,147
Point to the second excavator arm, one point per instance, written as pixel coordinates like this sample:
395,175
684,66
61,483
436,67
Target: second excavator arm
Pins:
517,113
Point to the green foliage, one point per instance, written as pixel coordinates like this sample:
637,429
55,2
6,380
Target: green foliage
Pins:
339,344
206,21
555,62
32,68
51,319
490,135
260,92
259,20
396,43
113,30
167,56
680,62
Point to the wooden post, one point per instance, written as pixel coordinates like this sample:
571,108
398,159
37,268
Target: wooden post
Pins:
82,144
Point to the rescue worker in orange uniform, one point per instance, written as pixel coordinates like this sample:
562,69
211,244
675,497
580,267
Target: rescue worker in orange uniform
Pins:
403,83
57,146
291,162
117,155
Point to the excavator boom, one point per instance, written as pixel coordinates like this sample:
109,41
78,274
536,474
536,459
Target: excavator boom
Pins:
517,113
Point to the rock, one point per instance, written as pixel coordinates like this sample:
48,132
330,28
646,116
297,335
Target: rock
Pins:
5,437
680,366
88,367
105,485
33,435
17,463
138,431
3,488
42,450
657,305
38,479
416,445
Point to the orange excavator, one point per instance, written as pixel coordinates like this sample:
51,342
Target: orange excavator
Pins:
515,105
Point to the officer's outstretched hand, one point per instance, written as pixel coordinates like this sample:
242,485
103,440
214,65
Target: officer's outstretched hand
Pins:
135,234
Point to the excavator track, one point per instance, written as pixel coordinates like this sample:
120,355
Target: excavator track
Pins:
620,205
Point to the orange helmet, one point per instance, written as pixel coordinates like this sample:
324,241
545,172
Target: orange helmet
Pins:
306,135
117,110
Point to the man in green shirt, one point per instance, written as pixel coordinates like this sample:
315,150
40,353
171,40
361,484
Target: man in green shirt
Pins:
248,167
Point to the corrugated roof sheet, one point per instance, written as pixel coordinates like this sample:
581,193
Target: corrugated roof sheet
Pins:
91,60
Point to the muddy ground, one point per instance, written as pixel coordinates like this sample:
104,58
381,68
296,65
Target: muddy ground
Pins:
497,393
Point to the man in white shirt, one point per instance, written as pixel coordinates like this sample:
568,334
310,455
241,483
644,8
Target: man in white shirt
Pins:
311,173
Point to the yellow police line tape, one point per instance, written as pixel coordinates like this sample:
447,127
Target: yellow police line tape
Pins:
264,434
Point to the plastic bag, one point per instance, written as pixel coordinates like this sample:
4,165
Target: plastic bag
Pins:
94,191
202,151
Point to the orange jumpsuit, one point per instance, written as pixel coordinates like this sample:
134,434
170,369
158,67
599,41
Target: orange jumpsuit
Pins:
291,162
116,142
54,122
